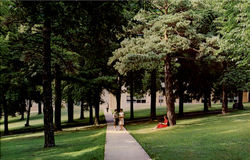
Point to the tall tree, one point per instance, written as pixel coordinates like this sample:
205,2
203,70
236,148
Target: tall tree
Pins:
234,46
47,90
168,33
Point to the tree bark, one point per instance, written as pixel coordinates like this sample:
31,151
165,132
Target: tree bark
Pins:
58,97
240,103
131,97
153,95
22,116
224,100
209,101
1,111
97,108
39,107
28,114
82,109
91,114
23,108
169,92
181,98
5,109
47,90
70,108
205,101
118,96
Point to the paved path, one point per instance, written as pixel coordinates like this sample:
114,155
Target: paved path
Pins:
120,145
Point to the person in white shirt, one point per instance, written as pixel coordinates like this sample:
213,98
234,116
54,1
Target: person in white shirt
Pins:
121,119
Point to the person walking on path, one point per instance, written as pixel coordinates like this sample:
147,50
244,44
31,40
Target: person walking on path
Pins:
116,118
107,108
120,145
121,119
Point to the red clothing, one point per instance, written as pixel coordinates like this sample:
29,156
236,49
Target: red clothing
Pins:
163,125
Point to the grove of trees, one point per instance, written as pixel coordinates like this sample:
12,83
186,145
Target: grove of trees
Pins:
70,51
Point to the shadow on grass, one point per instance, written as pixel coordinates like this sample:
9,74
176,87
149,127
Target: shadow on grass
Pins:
18,118
80,144
39,127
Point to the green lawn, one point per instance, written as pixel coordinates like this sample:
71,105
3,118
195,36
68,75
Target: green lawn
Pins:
36,121
87,144
203,137
161,110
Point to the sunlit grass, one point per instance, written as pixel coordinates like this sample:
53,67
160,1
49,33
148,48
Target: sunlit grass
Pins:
203,137
87,144
36,121
161,110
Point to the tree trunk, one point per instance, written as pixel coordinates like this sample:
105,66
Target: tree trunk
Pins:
82,109
181,98
153,95
97,108
169,92
23,108
1,111
5,109
224,100
28,114
39,107
70,108
91,114
131,97
248,96
205,101
47,90
58,97
240,103
22,116
118,97
209,101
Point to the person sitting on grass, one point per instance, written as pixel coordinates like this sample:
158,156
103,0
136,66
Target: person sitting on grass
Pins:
164,124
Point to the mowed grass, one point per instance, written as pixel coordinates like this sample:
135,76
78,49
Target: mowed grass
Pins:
87,144
206,137
161,110
36,121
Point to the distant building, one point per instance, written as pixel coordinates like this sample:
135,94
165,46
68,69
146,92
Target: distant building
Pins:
144,102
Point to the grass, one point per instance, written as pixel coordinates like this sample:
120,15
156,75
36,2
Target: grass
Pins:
161,110
36,121
87,144
205,137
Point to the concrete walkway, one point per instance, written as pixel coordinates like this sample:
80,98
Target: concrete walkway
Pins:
120,145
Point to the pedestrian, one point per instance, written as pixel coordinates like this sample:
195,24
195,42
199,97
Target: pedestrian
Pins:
116,118
121,119
107,108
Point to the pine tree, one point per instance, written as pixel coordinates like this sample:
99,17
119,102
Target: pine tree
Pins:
168,33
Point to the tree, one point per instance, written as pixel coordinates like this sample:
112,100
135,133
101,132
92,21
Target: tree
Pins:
169,33
234,47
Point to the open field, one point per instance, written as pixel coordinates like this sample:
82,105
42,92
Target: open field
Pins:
202,137
70,145
36,121
161,110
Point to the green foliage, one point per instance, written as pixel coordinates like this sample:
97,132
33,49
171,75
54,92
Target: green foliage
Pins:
233,25
174,33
